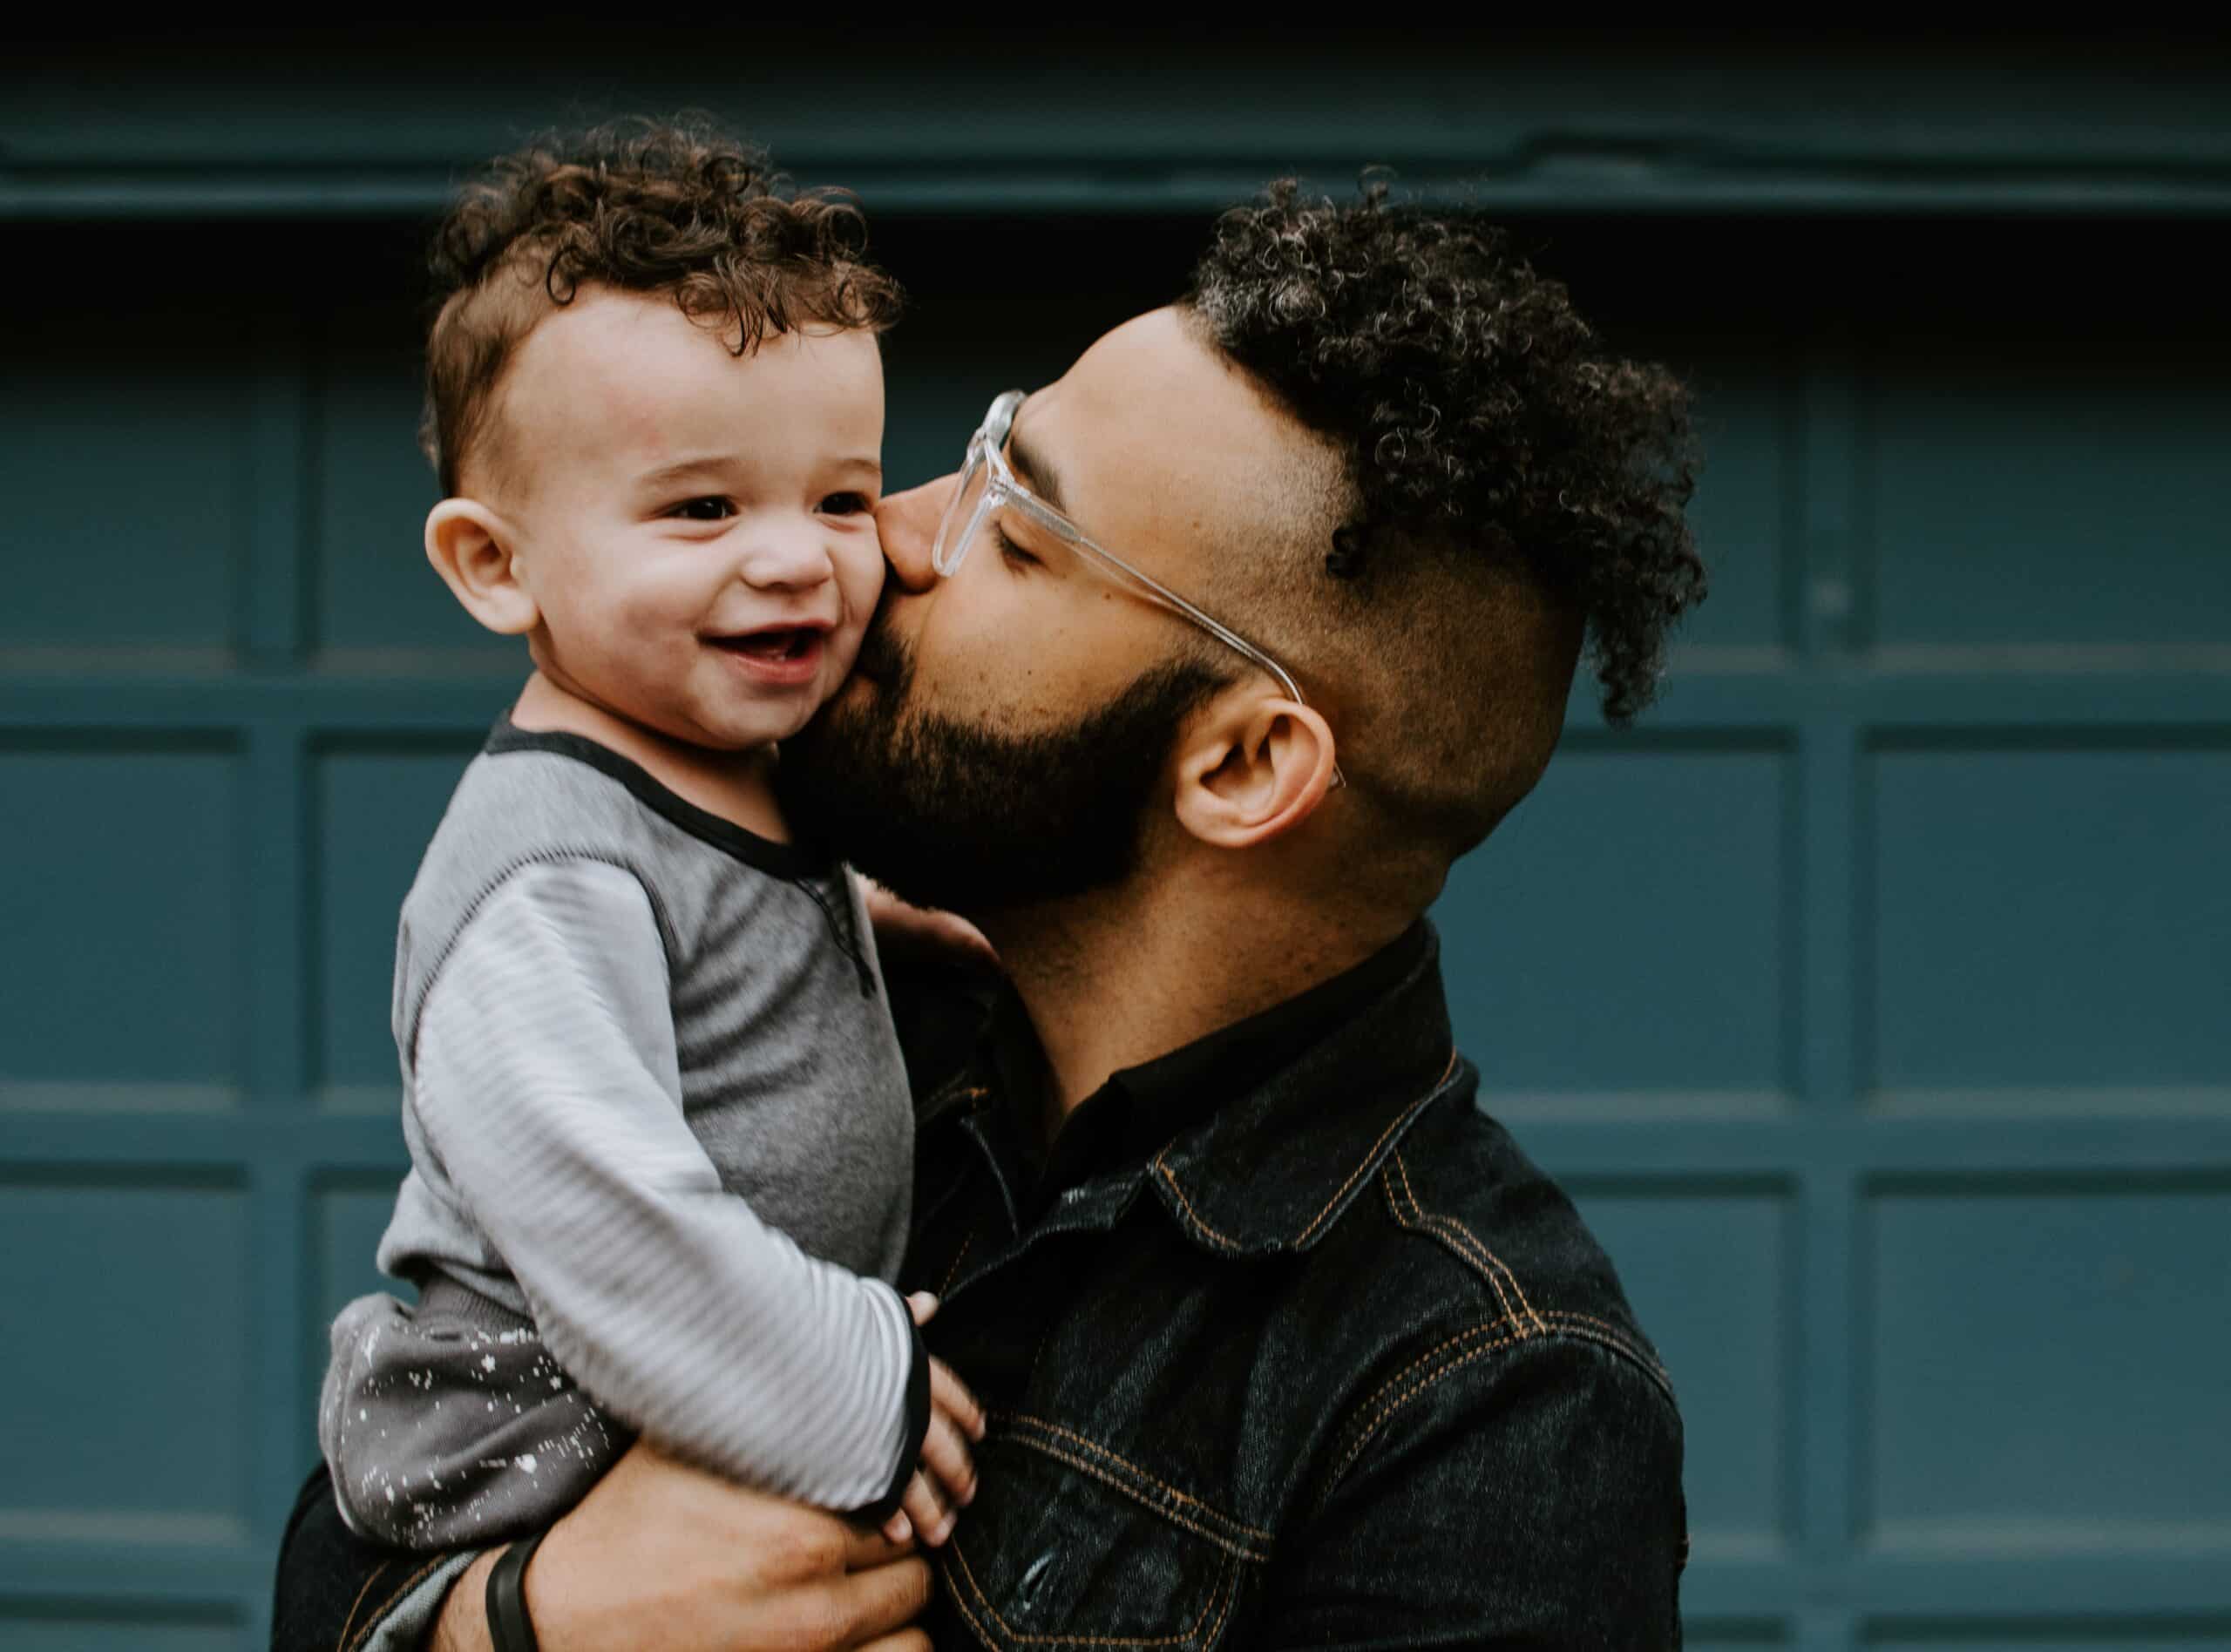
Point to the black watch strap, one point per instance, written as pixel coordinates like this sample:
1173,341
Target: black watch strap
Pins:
510,1630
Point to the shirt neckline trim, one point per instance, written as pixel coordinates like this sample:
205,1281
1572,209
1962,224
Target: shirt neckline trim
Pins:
791,861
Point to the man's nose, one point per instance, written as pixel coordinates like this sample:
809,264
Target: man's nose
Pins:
908,523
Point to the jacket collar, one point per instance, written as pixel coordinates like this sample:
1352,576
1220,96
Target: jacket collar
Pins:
1255,1138
1272,1168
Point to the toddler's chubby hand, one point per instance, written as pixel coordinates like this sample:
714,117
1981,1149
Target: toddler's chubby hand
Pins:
944,1479
903,930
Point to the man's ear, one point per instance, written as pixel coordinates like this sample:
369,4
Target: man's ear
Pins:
1251,769
475,551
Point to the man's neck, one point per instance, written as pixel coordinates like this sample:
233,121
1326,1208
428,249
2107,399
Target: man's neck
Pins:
734,786
1111,982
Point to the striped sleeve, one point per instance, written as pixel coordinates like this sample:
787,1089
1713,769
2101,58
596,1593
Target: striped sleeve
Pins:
546,1079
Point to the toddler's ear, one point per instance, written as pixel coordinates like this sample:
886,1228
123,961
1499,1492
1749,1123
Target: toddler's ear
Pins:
473,549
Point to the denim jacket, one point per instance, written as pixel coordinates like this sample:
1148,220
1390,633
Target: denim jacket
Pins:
1331,1362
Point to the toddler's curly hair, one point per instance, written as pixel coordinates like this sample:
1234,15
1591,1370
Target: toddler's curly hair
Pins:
676,206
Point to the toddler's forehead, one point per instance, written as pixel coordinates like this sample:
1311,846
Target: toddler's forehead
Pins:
616,383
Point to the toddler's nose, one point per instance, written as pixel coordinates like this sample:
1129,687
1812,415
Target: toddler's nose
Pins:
784,558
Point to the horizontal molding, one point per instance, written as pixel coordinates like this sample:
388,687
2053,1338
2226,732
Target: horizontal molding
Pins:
64,1581
2057,1102
463,694
1575,183
2128,1592
166,1145
1673,1156
2130,1585
122,1528
135,1100
2002,1538
1677,1156
1071,120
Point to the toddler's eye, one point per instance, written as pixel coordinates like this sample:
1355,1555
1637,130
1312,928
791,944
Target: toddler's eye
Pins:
844,504
712,508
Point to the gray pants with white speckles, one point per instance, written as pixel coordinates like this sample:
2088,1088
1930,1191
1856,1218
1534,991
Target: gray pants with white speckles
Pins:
450,1425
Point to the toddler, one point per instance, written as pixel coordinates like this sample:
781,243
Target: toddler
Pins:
660,1134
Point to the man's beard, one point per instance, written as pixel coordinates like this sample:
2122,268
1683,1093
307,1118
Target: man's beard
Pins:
948,814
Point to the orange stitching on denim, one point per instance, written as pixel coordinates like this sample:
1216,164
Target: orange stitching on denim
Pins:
961,1606
1230,1600
1407,1395
1439,1087
1167,1175
1606,1335
1086,1466
1659,1376
1226,1585
1468,1245
958,1257
389,1605
1433,1353
1394,1205
349,1621
1616,1339
1612,1336
1403,1399
1649,1369
1098,1450
1464,1238
969,1578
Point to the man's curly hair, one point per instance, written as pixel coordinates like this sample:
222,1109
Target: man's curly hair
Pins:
1478,412
649,206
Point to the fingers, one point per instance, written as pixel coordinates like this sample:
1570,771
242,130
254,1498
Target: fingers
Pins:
865,1548
922,1305
898,1529
946,1461
932,1516
950,1394
908,1641
865,1606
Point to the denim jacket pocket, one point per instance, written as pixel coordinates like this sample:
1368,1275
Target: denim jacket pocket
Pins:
1069,1545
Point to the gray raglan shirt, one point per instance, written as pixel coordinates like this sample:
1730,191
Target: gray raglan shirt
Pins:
654,1101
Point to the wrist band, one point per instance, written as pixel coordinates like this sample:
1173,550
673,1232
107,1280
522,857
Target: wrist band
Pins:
510,1630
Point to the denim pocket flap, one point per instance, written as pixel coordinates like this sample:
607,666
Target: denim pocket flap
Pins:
1069,1545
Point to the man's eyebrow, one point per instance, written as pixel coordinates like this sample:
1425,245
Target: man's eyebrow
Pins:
1032,469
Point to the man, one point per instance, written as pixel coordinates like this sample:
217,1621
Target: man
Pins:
1188,688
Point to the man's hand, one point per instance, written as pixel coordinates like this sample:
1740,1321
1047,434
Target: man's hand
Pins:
659,1553
945,1483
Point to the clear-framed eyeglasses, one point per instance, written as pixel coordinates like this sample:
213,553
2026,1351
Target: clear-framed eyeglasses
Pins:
987,484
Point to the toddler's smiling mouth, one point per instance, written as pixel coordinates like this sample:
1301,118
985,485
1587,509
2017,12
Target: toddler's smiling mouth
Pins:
782,655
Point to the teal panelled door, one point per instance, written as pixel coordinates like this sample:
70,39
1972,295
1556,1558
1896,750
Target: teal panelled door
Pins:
1871,996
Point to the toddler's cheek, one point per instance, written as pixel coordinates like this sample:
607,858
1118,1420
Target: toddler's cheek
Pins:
872,569
844,654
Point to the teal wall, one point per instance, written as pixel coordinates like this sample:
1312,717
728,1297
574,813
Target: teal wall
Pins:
1871,995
